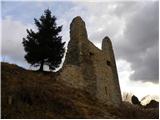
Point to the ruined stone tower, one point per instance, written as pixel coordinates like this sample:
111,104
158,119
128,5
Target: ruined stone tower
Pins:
89,68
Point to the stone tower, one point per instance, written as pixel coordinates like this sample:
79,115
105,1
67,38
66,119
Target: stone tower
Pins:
89,68
108,50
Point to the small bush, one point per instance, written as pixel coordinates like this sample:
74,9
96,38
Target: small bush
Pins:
135,100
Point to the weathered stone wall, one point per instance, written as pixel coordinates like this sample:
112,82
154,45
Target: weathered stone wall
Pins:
78,35
108,49
87,67
72,76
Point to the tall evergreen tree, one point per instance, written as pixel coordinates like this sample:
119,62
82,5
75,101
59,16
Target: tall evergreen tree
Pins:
44,47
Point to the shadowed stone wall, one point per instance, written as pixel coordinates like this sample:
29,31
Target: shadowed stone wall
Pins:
107,48
89,68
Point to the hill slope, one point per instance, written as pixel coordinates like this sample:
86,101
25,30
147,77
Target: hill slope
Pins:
30,94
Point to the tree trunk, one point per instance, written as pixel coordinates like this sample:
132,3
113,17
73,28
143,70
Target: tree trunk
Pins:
41,66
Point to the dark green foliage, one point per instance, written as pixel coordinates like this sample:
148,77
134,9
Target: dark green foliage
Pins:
152,104
135,100
44,47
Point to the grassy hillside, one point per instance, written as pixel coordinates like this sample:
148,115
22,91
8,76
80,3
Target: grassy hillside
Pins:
31,94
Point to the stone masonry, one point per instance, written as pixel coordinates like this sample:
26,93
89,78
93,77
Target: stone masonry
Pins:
89,68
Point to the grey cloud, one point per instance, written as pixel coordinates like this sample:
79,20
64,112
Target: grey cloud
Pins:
147,68
140,42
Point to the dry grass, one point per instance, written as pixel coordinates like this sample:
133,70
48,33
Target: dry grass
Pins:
30,94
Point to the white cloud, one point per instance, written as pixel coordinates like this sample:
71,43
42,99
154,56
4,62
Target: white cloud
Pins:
12,34
138,88
141,89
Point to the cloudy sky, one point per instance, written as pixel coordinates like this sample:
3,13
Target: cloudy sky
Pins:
132,26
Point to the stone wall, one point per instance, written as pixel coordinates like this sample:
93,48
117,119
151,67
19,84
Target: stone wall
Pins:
89,68
107,48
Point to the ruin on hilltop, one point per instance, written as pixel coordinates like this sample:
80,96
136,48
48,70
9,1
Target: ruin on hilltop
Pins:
89,68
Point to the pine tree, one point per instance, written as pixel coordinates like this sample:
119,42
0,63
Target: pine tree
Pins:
44,47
